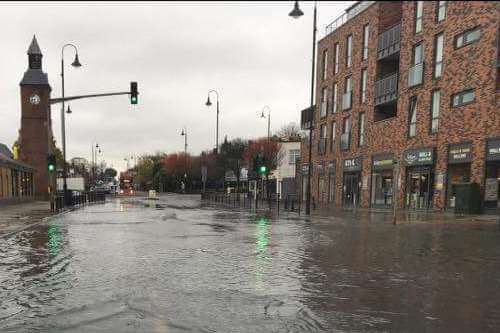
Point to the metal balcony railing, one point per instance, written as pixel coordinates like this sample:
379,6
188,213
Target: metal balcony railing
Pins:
349,14
415,75
345,139
347,100
322,146
386,89
388,42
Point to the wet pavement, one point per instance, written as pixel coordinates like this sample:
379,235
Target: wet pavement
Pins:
177,265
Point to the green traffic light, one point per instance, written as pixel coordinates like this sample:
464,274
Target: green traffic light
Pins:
51,168
133,100
262,169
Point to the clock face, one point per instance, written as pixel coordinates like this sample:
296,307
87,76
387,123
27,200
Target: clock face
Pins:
34,99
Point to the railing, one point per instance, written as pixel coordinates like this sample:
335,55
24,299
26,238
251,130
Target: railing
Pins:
322,146
77,199
388,42
349,14
307,118
415,75
347,100
345,139
386,89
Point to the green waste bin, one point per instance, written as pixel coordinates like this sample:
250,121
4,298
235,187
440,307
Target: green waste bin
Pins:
467,198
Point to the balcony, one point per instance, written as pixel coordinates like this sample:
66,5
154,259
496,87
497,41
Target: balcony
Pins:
388,42
349,14
415,75
345,139
347,100
322,146
307,118
386,89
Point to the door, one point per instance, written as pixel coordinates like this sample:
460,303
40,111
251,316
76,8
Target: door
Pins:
419,189
351,189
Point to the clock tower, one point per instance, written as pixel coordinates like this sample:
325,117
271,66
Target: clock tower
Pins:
36,127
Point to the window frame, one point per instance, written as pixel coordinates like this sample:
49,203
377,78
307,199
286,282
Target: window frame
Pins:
413,58
336,58
366,40
333,134
436,37
293,153
418,18
460,95
324,69
412,107
441,5
363,85
323,99
434,116
335,97
361,129
464,34
348,51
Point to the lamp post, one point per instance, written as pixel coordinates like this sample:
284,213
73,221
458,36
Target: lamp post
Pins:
208,103
185,135
96,147
76,64
296,13
268,120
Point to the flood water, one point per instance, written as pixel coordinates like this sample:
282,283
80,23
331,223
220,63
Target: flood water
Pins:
177,265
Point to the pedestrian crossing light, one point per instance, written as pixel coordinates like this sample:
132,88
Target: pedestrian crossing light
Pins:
133,93
51,163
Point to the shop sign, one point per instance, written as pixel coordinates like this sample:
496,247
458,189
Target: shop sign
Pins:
493,150
491,189
383,162
460,153
331,167
424,156
352,164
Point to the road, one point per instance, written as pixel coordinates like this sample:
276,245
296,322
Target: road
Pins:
177,265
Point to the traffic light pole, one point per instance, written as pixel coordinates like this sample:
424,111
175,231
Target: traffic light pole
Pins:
71,98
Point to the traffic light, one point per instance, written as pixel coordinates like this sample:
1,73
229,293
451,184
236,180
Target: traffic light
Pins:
262,169
51,163
133,93
259,164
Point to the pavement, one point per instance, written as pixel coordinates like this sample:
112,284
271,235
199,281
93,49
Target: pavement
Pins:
19,216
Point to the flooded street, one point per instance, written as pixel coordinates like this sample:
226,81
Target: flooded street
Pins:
177,265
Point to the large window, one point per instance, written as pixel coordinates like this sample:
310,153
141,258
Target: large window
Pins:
334,98
325,65
361,134
436,98
347,97
412,117
293,155
337,57
419,13
441,10
366,33
416,71
346,133
462,98
322,111
418,54
348,56
438,55
364,83
467,37
333,134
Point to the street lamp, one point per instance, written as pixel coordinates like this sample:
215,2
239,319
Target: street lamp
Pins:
94,159
268,120
185,135
208,103
296,13
76,63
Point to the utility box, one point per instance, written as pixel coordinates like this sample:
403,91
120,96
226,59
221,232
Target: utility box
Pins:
467,198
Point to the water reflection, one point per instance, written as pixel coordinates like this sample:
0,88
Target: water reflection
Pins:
54,238
261,245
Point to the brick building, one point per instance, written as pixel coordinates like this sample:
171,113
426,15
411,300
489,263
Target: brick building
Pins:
412,86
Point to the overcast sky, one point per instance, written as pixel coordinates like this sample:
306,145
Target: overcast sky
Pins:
253,53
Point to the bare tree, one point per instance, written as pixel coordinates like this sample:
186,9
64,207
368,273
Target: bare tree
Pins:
290,130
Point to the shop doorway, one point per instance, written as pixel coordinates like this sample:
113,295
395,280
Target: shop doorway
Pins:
457,173
382,185
351,189
419,188
492,186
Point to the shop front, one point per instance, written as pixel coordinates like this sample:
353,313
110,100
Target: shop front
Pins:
419,178
382,180
331,182
351,187
492,183
459,165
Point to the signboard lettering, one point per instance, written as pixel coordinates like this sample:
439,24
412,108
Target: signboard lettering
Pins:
493,150
461,153
423,156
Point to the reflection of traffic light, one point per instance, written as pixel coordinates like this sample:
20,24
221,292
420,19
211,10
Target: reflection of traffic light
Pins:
51,163
133,93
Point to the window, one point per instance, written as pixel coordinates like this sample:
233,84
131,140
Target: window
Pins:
364,79
293,155
347,97
436,98
419,10
412,117
322,139
346,134
336,55
441,10
322,131
348,57
325,64
415,73
334,98
438,55
366,32
361,136
333,135
418,54
467,37
322,110
462,98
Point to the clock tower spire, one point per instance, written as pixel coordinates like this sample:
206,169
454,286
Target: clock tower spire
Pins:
36,124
